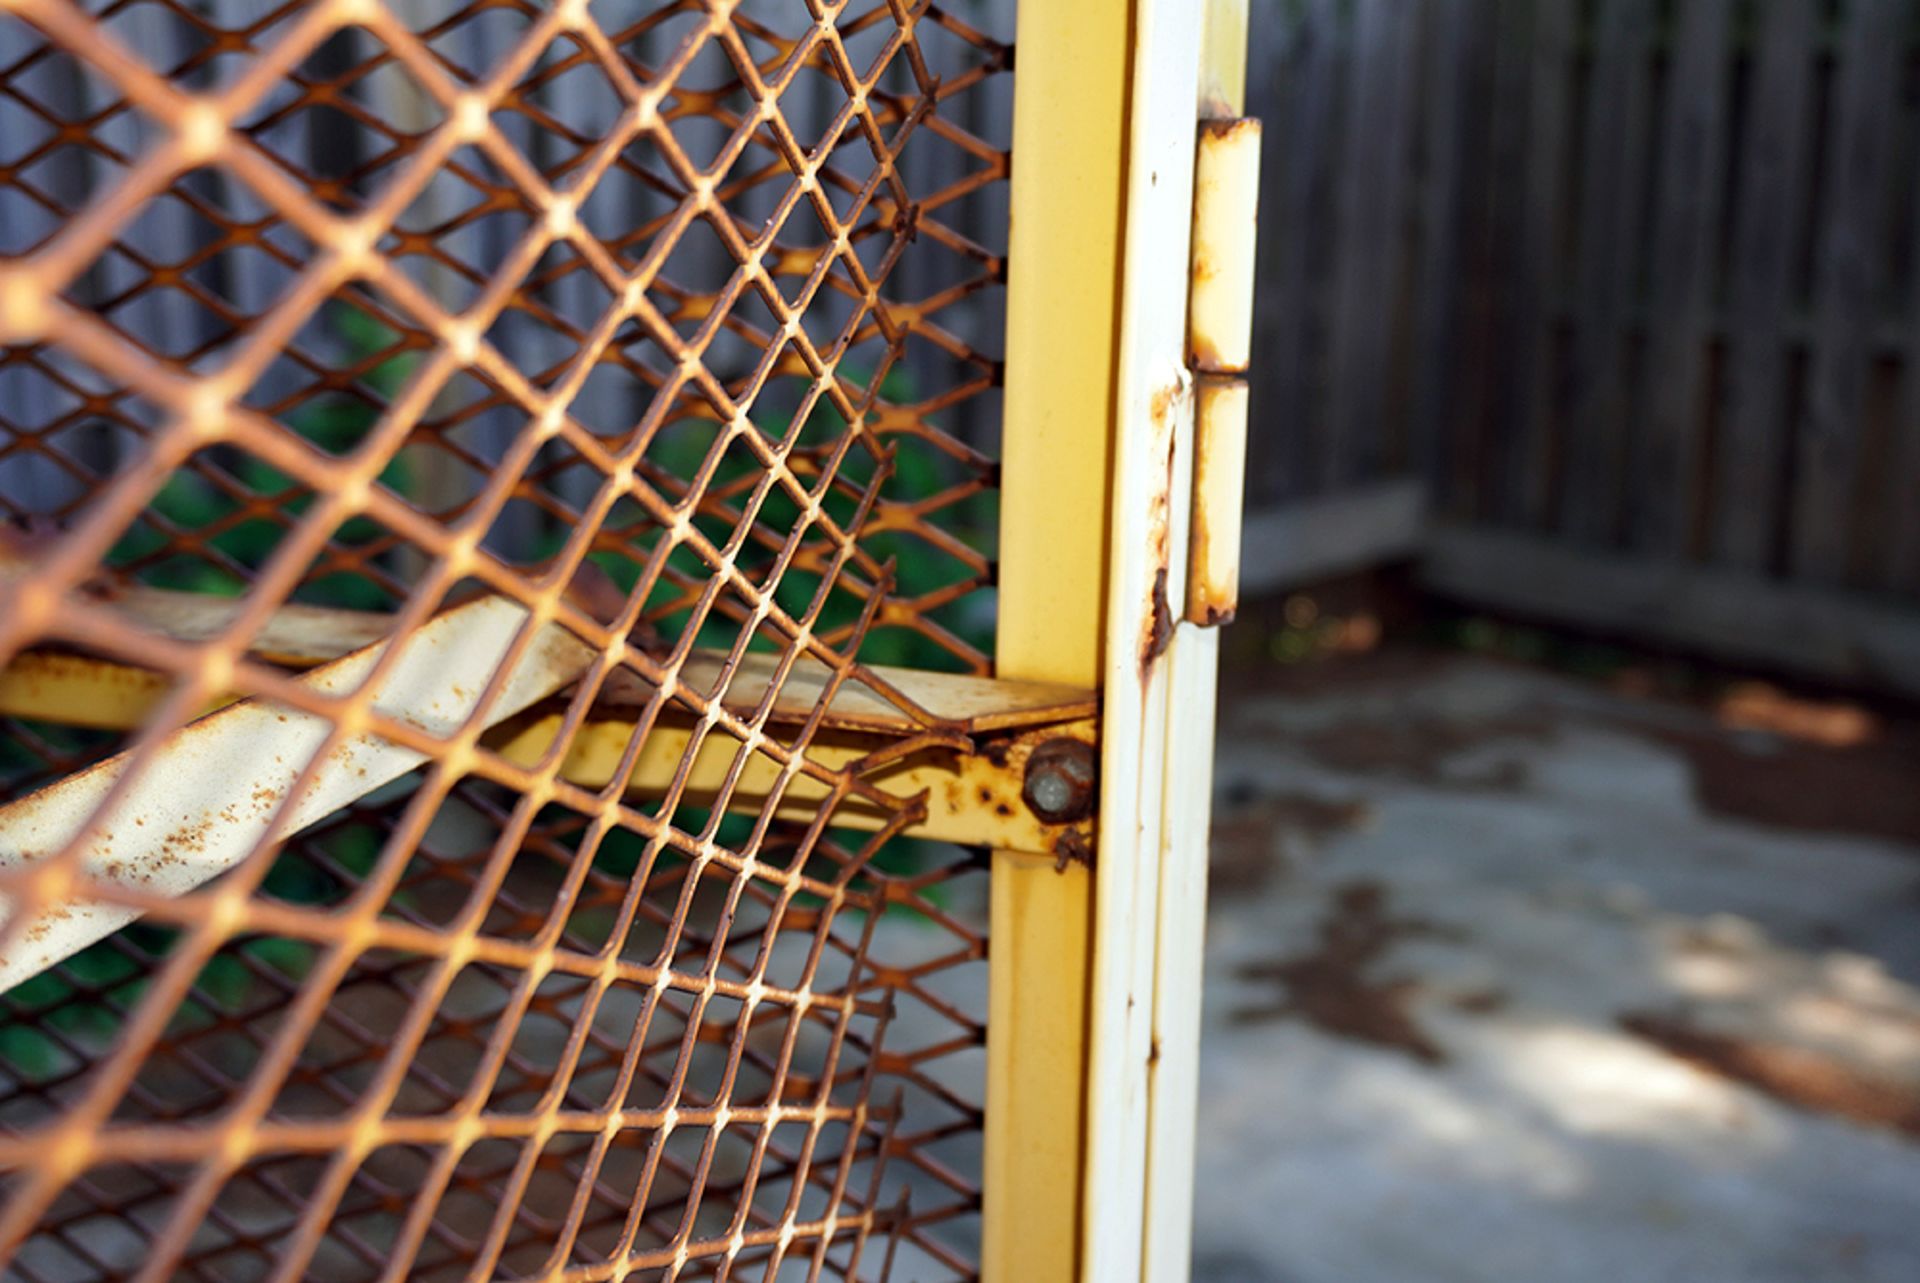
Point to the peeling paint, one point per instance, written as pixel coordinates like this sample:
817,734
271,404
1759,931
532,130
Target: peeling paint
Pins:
1159,623
256,750
1157,612
1071,847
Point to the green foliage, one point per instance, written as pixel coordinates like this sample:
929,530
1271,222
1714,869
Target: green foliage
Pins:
210,494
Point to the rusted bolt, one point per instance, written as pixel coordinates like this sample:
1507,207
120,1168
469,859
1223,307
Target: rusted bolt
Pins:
1060,779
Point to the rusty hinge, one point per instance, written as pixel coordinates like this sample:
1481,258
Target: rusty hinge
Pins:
1226,192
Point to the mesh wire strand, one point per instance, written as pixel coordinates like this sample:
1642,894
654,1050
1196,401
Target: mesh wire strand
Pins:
673,325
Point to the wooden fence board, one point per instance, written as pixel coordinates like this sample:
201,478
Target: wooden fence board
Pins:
1470,319
1902,558
1445,51
1370,238
1663,498
1774,158
1858,145
1502,432
1840,637
1297,90
1535,370
1643,295
1612,180
1321,538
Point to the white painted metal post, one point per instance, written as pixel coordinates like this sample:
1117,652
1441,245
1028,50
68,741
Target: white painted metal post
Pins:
1146,733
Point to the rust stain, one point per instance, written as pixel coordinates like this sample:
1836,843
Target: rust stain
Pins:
1332,986
1480,1002
1254,837
1071,847
1228,130
1157,627
1159,624
1163,399
1795,1076
1212,616
1207,355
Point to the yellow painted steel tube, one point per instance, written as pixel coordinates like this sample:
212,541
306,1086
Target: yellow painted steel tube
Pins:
1069,148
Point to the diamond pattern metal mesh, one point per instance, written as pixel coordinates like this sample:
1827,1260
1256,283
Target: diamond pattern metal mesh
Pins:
476,392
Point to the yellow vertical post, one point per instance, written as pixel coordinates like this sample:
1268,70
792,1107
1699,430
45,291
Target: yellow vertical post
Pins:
1069,148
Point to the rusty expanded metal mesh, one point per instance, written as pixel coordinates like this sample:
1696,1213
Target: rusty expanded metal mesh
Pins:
671,327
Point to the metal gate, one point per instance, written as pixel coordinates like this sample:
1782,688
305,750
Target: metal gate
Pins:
565,574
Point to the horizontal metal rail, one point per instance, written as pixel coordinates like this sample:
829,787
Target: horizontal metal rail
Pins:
257,770
82,690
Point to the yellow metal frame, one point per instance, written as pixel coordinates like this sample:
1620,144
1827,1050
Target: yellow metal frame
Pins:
1093,1024
1063,301
1117,547
971,769
972,798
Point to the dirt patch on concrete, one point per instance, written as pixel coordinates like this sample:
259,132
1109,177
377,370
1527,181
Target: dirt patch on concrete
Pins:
1758,753
1418,749
1332,986
1354,674
1795,1075
1251,838
1868,790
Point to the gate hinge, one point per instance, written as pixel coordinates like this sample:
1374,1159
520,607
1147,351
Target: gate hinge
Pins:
1226,196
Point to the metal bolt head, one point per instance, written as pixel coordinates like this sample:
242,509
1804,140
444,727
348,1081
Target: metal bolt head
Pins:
1060,778
1051,792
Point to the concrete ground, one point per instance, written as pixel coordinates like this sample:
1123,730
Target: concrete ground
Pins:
1517,977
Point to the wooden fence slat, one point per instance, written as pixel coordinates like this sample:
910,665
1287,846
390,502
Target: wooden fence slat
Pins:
1612,180
1812,629
1469,342
1664,495
1535,363
1369,239
1436,290
1902,561
1500,432
1768,219
1848,267
1268,78
1640,300
1298,544
1300,93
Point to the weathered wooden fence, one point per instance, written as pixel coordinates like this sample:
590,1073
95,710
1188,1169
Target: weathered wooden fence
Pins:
1608,309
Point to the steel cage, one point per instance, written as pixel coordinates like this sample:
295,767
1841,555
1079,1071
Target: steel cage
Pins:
608,668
